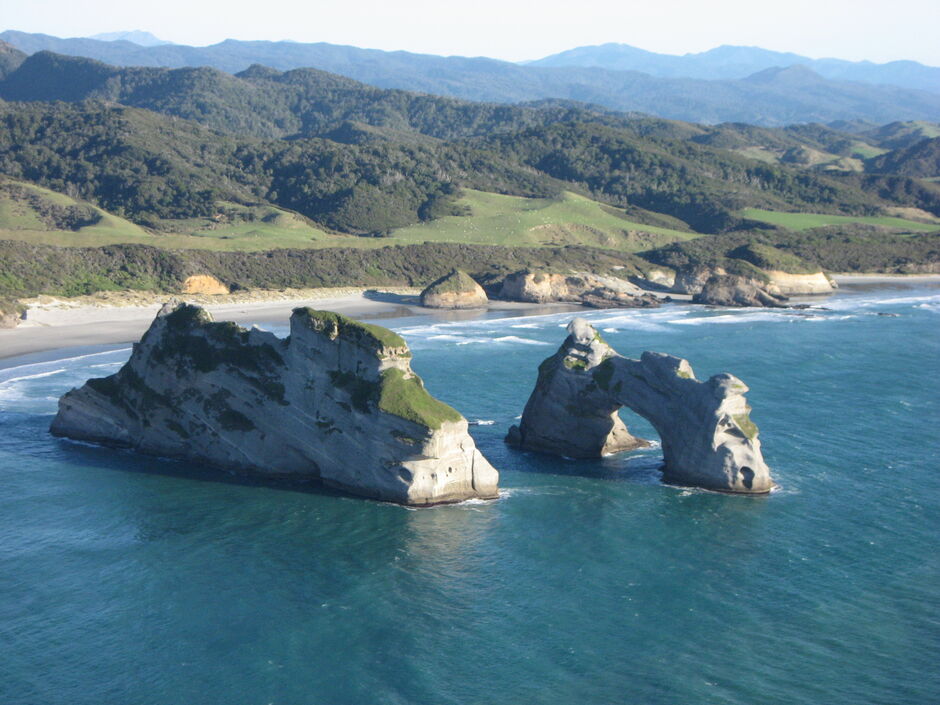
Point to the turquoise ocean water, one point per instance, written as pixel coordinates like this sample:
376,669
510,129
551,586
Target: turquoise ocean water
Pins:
135,580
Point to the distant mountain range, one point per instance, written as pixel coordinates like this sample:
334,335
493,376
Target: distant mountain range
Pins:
731,62
773,96
136,36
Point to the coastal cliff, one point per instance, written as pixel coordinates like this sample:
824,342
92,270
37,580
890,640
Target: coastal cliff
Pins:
336,402
751,275
593,290
708,438
737,290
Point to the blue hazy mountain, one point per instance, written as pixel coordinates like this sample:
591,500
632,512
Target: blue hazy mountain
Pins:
772,96
136,36
731,62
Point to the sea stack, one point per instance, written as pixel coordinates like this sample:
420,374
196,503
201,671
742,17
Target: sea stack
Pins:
454,290
708,438
336,402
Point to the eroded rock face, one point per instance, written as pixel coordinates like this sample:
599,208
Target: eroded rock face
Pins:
336,402
691,280
204,284
737,290
584,288
707,436
801,284
456,290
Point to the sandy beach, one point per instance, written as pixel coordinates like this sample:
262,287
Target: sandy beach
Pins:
122,317
57,323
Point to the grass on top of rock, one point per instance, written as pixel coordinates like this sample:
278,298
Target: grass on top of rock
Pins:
748,427
454,283
407,398
336,325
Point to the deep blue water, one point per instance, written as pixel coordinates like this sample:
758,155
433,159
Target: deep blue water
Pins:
135,580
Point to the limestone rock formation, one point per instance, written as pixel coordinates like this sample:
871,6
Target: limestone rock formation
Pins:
737,290
584,288
454,290
800,284
336,401
778,285
708,438
691,279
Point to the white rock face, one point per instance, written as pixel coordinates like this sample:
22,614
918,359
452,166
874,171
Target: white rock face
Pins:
800,284
580,287
707,436
335,402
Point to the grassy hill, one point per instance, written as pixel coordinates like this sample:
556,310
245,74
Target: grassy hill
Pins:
806,221
488,219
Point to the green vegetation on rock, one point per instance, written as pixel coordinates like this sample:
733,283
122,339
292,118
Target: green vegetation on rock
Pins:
336,325
748,427
455,282
407,398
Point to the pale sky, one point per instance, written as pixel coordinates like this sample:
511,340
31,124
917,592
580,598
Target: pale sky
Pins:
510,29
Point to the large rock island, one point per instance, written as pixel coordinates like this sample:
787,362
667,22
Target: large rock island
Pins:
336,401
708,438
455,290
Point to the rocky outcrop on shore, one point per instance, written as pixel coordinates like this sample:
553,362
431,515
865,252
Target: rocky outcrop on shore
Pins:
717,286
801,284
336,402
593,290
456,290
708,438
737,290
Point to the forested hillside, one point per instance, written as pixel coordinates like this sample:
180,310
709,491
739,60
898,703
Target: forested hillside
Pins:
307,158
771,94
357,159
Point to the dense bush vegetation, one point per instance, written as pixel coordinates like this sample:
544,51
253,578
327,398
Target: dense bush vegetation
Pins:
27,270
360,159
857,248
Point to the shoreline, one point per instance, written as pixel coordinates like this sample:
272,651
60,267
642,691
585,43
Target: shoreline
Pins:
115,318
867,278
82,324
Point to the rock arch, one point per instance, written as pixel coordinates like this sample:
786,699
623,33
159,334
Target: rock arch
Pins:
707,436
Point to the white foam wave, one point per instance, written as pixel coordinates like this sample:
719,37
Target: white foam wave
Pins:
38,375
862,302
734,318
481,422
447,337
521,341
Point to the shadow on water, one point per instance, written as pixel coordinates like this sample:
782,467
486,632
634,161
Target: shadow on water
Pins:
643,466
82,454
